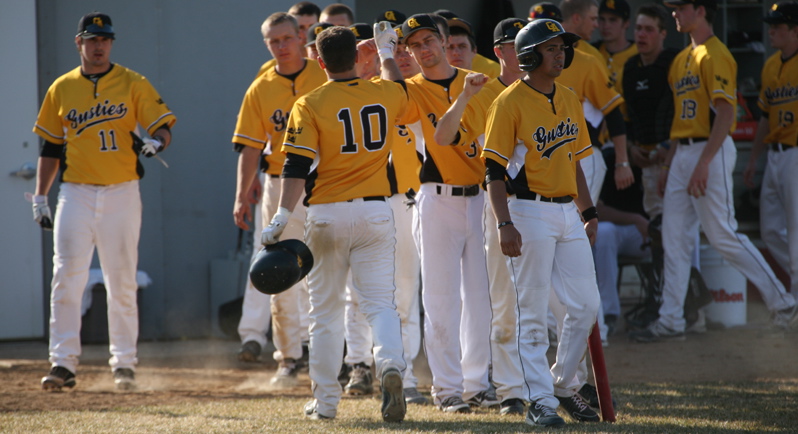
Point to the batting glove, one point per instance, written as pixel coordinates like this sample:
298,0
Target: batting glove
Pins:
41,212
271,234
151,146
385,38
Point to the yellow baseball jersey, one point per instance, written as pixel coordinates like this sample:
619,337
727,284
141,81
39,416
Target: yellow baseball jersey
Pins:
404,159
458,164
588,79
615,63
585,47
486,66
698,76
779,98
347,128
263,116
270,64
553,134
94,121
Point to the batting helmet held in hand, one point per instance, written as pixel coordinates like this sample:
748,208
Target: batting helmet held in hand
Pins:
280,266
536,33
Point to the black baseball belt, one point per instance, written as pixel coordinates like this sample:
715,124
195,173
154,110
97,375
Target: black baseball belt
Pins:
529,195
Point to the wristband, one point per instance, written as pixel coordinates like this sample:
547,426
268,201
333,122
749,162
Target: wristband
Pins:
590,214
507,223
624,164
666,167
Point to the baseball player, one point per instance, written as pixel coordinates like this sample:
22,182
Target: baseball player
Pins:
87,120
341,130
310,45
506,367
581,18
613,21
263,118
448,231
698,184
778,130
478,63
540,228
337,14
306,15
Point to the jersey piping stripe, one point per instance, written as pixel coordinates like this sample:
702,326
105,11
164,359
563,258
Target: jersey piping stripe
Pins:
497,154
49,133
263,142
158,120
724,94
609,103
300,147
584,149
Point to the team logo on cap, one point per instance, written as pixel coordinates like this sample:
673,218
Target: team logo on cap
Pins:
611,4
354,30
412,23
399,33
518,24
318,30
552,26
390,16
538,9
775,7
98,21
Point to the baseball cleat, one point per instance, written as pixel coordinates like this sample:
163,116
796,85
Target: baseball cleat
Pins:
512,406
540,415
311,413
58,378
394,406
656,332
413,396
486,398
360,380
785,319
578,409
249,352
286,375
124,379
454,404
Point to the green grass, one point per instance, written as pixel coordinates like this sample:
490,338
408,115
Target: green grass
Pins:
764,406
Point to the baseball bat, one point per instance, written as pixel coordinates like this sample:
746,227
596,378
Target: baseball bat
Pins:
600,375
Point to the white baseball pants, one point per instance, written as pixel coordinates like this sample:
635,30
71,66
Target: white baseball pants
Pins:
594,169
108,218
555,255
449,235
778,206
504,321
682,214
343,235
652,203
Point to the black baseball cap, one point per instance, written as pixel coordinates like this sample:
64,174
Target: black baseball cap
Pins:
782,12
314,30
418,22
507,29
95,24
446,13
392,16
460,23
362,31
616,7
707,4
545,10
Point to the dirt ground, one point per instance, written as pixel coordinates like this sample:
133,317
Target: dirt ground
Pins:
207,370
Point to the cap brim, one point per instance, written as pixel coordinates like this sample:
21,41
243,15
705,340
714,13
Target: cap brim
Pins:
410,33
86,35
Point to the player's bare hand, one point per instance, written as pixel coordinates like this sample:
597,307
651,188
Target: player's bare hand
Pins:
510,240
663,181
366,49
255,192
697,186
242,214
591,229
474,82
623,177
748,173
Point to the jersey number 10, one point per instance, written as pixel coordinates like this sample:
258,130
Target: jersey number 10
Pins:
369,115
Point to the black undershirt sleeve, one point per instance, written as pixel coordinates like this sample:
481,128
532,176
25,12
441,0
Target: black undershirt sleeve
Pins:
296,166
615,123
51,150
494,171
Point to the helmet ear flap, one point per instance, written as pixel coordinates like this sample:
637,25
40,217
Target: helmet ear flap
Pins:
569,56
528,59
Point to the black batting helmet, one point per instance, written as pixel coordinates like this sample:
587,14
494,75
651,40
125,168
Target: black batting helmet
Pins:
280,266
536,33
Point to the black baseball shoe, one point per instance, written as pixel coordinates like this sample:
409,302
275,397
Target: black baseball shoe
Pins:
512,406
343,374
394,406
249,352
486,398
454,404
360,380
589,394
124,379
540,415
578,409
58,378
413,396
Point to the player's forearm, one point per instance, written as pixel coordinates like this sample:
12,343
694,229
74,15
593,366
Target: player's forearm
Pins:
248,163
583,200
390,70
449,123
290,192
762,130
497,194
46,170
724,118
621,154
614,215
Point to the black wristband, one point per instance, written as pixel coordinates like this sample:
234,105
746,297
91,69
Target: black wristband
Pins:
507,223
590,214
